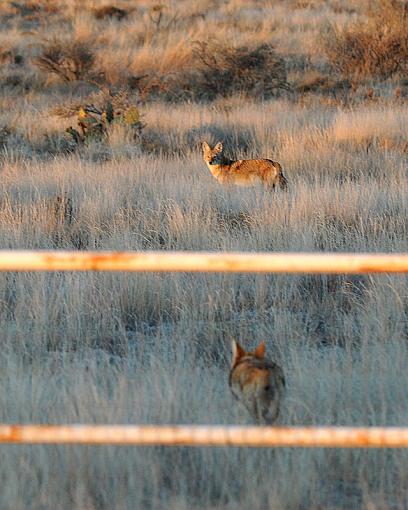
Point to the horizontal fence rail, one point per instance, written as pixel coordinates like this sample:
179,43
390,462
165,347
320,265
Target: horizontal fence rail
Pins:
164,435
229,262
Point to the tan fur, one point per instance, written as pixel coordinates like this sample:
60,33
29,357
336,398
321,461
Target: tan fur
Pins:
257,382
243,172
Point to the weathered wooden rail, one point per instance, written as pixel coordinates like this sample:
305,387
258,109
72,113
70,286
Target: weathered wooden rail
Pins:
189,435
170,261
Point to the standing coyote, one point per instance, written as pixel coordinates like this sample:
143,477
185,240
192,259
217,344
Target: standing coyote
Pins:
256,382
243,172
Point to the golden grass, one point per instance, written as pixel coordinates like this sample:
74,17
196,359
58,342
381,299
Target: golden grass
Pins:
148,348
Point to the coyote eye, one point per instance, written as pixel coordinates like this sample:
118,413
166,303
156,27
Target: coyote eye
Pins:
267,387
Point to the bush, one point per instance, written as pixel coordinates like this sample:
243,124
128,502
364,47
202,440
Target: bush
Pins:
223,70
110,12
217,69
99,113
376,48
70,60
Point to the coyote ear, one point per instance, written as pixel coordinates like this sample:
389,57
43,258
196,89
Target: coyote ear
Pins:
259,352
218,147
206,147
237,352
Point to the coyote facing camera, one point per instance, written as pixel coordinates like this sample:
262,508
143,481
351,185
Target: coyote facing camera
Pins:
243,172
257,382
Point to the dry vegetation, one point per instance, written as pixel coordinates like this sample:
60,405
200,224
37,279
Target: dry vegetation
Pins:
315,85
376,47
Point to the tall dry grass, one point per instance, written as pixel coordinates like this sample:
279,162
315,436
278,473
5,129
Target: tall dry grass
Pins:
150,348
121,348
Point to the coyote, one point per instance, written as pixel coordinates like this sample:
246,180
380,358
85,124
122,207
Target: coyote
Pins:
243,172
257,382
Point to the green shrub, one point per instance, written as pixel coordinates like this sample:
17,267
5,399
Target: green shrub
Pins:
98,112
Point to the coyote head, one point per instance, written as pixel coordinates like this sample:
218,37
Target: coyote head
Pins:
212,156
256,382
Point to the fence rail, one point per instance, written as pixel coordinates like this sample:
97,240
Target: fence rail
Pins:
229,262
164,435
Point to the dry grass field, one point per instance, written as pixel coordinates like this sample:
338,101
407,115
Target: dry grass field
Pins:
320,87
